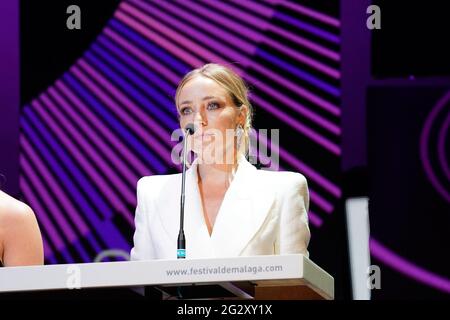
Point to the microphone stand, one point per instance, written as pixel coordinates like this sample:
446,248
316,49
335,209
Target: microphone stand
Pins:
181,242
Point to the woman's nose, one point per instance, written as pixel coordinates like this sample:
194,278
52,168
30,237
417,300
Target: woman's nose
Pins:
200,118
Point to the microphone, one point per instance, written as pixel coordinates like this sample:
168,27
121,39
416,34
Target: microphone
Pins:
181,242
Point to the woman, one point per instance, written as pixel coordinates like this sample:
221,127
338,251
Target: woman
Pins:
231,208
20,238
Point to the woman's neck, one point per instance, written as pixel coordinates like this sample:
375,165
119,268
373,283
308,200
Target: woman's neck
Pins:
216,173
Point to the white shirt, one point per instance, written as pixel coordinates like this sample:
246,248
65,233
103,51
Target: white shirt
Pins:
262,213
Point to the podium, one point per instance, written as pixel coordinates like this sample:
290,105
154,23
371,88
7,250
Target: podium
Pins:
292,277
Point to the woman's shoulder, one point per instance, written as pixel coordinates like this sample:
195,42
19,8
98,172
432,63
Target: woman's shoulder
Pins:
14,212
20,236
282,179
157,181
287,185
10,206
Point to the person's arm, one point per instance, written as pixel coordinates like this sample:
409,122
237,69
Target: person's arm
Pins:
294,230
143,245
21,237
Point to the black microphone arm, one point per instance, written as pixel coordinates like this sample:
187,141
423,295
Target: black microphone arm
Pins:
181,242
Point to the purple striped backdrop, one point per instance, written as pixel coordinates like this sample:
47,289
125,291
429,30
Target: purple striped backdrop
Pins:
107,121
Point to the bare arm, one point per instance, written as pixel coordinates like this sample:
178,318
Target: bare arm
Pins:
21,242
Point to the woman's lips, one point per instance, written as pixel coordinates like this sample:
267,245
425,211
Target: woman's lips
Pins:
203,135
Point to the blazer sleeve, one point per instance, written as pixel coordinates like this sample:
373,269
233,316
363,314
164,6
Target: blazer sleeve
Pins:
294,230
143,246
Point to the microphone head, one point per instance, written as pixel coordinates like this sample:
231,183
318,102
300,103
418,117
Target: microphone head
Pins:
190,128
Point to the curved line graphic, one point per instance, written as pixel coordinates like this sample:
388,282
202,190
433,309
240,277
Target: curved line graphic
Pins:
408,268
424,147
441,147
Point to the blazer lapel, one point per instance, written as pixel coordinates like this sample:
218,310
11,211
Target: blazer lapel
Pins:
242,213
168,212
198,244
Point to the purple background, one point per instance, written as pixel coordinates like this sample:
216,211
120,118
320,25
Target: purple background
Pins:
9,95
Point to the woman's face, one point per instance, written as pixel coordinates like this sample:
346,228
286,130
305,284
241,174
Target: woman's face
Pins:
207,105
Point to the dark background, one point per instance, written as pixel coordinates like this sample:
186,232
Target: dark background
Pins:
48,47
410,218
413,39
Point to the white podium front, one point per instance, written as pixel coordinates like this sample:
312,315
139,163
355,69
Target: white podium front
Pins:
258,277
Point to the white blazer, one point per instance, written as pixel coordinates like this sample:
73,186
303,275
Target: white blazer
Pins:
262,213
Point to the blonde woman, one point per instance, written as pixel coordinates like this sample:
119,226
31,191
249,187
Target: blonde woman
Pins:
20,238
231,208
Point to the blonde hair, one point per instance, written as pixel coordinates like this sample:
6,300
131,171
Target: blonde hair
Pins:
233,84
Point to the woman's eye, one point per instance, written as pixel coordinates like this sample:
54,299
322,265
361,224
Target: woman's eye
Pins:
213,105
186,111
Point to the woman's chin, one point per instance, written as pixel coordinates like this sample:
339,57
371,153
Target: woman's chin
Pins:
212,158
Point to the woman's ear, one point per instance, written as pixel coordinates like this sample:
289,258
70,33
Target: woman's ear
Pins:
242,117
